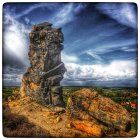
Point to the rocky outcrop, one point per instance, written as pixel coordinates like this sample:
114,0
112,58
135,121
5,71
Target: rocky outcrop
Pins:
42,79
98,114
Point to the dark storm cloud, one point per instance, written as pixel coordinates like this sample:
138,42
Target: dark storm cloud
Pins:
98,38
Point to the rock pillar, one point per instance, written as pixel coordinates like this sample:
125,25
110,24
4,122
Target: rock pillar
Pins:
42,79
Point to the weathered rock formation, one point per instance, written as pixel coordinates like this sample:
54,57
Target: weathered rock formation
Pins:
42,79
98,114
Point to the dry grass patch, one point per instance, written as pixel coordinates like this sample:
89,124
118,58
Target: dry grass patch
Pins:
18,126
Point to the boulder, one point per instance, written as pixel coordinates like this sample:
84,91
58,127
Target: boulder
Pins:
87,104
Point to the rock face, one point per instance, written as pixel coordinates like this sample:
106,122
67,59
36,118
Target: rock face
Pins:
88,105
42,79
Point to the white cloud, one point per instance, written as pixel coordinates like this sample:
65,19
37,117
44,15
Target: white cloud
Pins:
31,8
64,15
128,49
12,76
67,13
15,38
104,48
12,79
27,20
123,13
66,58
93,54
116,70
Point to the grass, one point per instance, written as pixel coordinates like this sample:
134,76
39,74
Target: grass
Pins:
7,91
65,99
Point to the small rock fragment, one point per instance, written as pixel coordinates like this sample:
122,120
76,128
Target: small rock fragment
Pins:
58,119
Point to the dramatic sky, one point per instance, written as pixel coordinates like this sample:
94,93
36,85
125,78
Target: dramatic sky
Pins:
100,46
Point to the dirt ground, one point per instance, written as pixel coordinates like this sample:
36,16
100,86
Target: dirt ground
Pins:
55,124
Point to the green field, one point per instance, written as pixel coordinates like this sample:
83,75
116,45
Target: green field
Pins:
7,92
